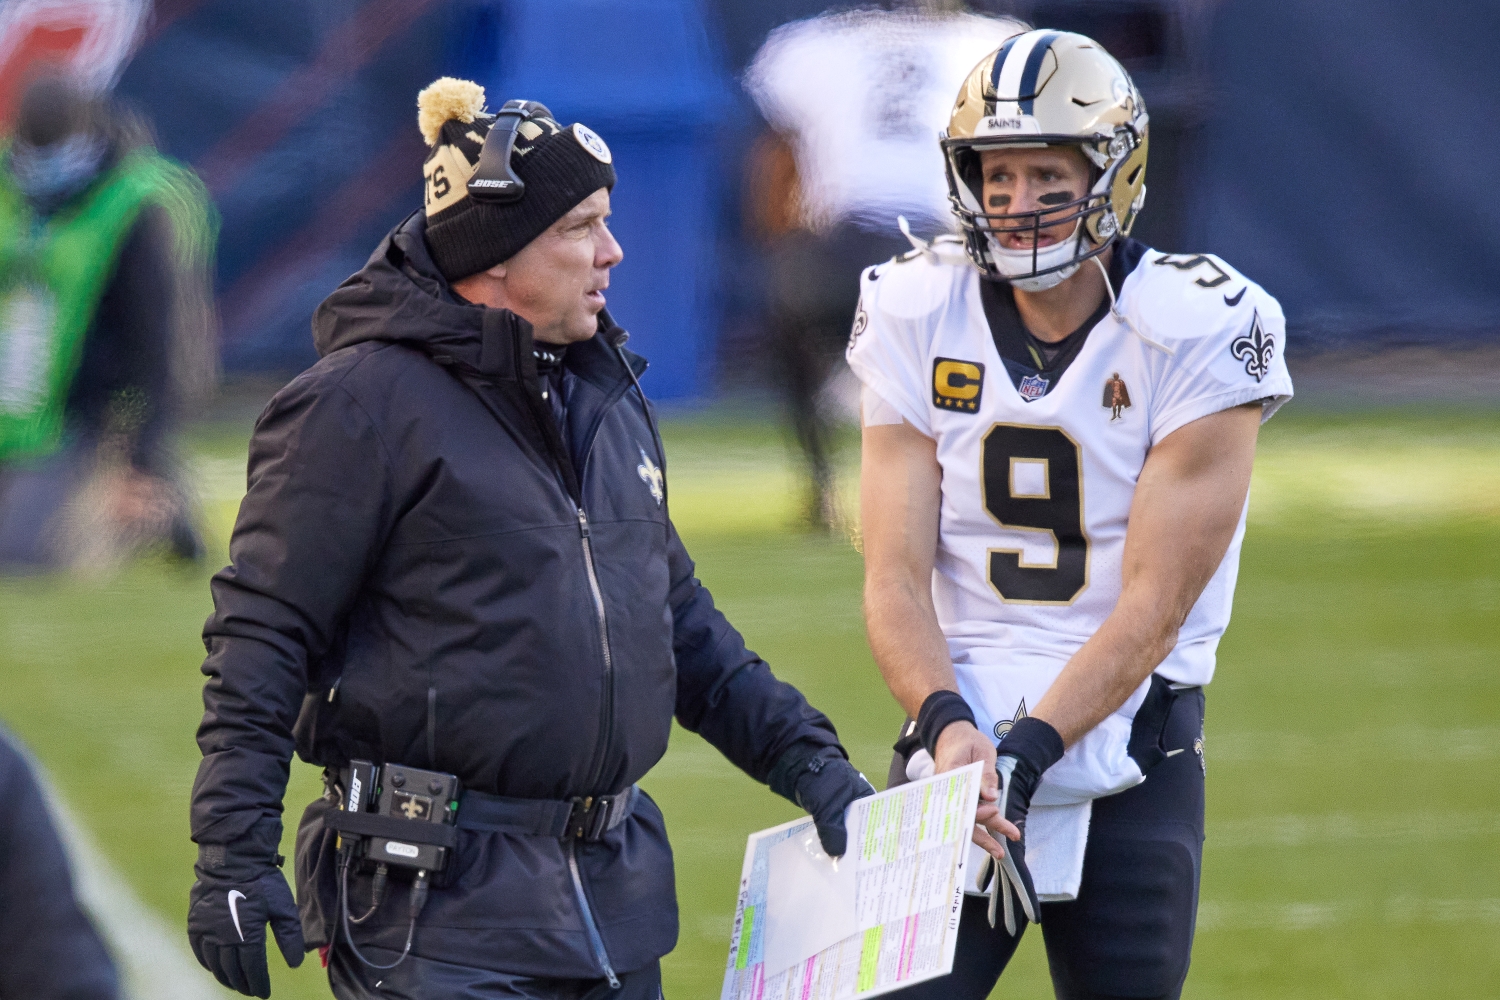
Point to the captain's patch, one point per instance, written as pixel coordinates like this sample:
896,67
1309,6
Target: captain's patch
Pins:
957,385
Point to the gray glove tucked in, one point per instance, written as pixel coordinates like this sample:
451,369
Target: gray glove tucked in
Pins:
1024,754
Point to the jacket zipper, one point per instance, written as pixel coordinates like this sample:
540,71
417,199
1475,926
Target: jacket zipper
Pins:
606,722
595,939
607,708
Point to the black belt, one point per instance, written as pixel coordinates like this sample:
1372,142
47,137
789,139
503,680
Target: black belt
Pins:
587,817
584,817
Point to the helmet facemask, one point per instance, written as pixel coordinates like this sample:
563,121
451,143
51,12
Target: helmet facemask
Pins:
1038,268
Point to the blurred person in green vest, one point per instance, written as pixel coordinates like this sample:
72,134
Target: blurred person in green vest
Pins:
105,334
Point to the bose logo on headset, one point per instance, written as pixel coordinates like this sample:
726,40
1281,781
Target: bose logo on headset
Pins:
494,179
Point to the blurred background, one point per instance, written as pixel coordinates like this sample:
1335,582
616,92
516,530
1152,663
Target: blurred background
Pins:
1338,154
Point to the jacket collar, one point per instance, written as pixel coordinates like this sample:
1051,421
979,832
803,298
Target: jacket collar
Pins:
400,296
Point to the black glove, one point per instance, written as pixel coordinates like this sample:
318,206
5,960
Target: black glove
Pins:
239,889
821,780
1024,754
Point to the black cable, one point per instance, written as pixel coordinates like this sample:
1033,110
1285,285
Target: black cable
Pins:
377,893
418,900
618,343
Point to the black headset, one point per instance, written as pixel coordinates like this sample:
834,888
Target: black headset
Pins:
494,180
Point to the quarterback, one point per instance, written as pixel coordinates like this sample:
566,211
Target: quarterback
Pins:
1058,430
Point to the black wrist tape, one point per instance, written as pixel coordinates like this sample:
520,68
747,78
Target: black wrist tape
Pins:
1034,742
939,711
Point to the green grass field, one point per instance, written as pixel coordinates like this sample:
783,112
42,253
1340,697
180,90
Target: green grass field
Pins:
1352,743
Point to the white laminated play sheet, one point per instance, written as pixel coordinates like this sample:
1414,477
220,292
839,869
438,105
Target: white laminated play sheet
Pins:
883,916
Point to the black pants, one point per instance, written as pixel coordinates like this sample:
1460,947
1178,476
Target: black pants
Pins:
1130,931
424,979
34,498
813,289
33,495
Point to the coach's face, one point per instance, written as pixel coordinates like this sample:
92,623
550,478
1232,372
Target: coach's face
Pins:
557,281
1032,180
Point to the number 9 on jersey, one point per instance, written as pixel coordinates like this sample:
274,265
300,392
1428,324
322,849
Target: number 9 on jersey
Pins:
1032,480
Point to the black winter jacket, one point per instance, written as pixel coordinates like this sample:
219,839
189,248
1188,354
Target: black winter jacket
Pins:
421,575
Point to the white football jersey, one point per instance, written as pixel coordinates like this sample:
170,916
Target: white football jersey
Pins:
1037,488
864,95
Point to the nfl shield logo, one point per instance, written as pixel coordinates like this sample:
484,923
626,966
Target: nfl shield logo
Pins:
1033,387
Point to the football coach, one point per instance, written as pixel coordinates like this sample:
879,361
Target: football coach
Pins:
455,555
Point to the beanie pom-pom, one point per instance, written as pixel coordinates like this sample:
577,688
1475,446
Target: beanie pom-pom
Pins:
446,99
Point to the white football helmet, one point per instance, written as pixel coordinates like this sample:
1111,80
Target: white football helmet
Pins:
1046,88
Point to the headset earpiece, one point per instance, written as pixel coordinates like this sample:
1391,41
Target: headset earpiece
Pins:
495,180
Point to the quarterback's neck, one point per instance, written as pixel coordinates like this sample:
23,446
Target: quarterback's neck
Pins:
1057,312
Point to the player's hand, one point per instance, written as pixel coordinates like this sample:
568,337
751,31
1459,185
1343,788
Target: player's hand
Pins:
822,781
959,745
1030,747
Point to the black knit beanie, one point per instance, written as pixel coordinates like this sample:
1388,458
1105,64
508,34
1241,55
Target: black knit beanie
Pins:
561,166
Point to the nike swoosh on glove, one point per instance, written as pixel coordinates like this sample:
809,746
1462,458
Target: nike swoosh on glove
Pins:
822,781
1023,756
237,893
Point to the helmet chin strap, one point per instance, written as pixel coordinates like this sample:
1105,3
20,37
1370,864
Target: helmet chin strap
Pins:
1021,261
1042,282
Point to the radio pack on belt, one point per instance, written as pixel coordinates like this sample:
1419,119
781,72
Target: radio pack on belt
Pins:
398,815
393,816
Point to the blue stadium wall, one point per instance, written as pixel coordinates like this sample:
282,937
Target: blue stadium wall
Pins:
1349,166
301,118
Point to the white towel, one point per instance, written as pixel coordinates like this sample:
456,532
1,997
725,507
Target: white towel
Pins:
1055,840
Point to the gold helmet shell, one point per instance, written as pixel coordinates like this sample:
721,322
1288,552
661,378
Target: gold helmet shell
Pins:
1050,88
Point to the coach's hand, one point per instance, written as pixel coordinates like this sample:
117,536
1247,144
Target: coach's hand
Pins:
1027,751
235,896
822,781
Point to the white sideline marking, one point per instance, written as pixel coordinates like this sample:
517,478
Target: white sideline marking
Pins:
1335,828
1397,910
151,955
1428,744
